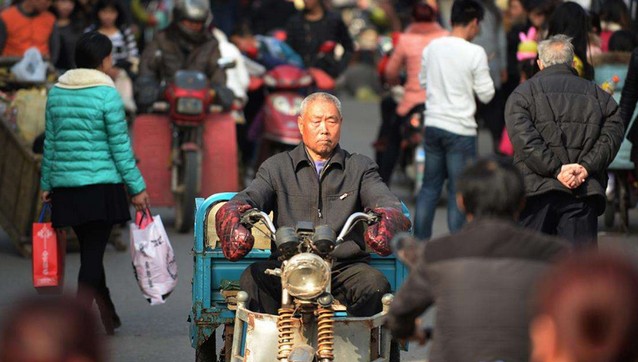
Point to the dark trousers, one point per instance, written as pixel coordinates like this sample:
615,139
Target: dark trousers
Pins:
394,134
390,155
388,115
558,213
93,238
358,286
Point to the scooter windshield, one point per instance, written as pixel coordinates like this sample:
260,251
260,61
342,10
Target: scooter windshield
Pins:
190,79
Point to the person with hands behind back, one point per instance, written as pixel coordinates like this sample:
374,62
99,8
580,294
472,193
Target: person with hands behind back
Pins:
318,181
565,131
88,165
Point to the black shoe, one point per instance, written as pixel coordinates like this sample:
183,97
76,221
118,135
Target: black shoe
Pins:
117,323
109,317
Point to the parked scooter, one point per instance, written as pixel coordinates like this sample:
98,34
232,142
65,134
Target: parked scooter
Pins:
285,87
311,325
183,145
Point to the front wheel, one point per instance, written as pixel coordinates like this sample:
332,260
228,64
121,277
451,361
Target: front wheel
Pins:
610,214
395,351
186,192
207,351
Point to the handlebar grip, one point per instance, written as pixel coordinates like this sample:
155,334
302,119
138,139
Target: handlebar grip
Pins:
249,216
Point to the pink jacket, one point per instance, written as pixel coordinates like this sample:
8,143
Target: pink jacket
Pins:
408,52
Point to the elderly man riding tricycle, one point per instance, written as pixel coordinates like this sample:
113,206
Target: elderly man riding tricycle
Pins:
317,292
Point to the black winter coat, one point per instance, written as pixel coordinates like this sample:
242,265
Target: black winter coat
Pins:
288,185
306,37
557,118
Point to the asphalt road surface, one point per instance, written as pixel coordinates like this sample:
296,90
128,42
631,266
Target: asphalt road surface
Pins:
160,333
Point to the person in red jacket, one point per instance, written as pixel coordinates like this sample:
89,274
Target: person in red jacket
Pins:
407,55
28,24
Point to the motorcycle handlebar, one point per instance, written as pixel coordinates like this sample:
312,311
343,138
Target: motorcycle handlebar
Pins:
253,216
352,220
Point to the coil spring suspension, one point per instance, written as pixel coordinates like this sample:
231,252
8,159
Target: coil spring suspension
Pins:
325,334
284,327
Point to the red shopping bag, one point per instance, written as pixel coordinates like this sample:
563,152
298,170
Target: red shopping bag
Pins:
49,247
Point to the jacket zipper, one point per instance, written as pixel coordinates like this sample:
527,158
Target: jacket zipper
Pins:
320,202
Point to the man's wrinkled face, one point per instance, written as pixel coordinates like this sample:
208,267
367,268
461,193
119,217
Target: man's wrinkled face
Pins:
320,128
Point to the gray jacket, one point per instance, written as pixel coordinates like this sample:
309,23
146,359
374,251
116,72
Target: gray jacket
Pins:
288,185
481,280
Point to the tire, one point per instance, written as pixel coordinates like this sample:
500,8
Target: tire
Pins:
395,351
207,351
185,205
610,213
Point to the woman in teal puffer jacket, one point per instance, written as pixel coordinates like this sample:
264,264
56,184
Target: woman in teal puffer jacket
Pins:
87,164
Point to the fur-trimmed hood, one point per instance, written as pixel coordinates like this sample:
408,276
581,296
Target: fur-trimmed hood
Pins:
84,78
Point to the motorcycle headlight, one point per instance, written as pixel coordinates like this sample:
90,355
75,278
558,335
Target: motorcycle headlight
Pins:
190,106
305,276
282,105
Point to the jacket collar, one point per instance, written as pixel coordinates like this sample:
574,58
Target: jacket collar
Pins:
84,78
301,158
556,69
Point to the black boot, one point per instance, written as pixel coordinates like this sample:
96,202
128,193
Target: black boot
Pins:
110,319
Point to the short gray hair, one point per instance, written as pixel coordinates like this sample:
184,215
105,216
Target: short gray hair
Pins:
557,49
320,96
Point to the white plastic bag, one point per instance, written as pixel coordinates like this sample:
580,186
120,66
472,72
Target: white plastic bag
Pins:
31,68
153,258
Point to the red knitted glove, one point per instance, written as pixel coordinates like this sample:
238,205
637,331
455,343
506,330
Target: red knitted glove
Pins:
235,238
378,235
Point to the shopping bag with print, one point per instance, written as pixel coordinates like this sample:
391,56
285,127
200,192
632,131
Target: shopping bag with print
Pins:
153,257
49,247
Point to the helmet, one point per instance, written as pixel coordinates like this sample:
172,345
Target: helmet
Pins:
193,10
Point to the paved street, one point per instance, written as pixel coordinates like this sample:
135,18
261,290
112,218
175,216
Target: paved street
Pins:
160,333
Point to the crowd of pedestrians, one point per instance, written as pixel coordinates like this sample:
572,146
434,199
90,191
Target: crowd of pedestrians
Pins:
556,84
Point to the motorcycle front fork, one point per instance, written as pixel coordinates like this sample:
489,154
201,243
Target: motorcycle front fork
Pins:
185,139
325,331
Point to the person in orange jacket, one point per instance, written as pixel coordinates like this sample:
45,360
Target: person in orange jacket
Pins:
29,24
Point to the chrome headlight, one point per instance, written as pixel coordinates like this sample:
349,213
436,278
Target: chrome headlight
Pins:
305,276
190,106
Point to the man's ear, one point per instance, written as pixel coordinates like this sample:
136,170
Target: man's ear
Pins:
300,124
541,66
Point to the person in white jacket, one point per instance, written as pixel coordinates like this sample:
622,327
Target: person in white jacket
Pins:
453,72
237,77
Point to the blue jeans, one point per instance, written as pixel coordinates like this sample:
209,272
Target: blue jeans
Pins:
446,155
